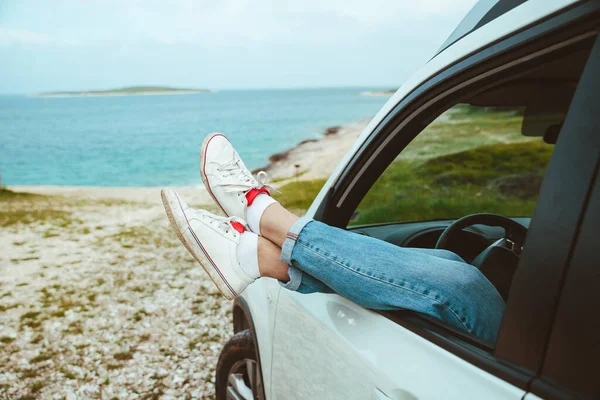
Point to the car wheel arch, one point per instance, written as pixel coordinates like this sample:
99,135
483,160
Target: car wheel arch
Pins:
242,320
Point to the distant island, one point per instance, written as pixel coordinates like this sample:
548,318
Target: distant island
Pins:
126,91
379,93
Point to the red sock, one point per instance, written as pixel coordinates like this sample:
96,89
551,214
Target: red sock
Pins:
252,193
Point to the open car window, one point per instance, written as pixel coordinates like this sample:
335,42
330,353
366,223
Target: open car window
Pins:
470,159
487,153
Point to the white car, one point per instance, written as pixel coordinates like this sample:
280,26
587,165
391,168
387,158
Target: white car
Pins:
503,119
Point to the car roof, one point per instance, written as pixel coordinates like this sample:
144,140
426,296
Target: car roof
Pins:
483,12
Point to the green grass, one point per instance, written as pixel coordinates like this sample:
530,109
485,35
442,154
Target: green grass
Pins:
30,315
499,178
463,129
298,196
17,260
41,357
58,314
130,237
75,328
6,339
480,165
37,339
139,315
124,356
9,195
29,208
29,373
67,374
37,386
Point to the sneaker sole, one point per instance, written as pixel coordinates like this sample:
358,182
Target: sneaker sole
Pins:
202,174
192,244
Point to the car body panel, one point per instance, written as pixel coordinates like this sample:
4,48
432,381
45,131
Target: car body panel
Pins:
531,396
328,347
261,298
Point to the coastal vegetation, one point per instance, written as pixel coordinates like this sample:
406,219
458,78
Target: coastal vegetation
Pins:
446,187
29,208
298,196
471,160
130,90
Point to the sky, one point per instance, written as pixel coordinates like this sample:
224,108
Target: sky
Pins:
218,44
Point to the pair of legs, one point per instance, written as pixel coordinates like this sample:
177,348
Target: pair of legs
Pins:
275,223
376,274
261,238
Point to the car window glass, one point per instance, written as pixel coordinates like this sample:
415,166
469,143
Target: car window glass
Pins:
470,159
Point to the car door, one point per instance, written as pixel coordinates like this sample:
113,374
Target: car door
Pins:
327,347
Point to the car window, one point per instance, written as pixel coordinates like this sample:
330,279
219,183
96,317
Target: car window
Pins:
487,152
470,159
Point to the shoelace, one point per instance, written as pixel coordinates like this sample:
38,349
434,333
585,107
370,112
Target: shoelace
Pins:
244,180
224,223
233,168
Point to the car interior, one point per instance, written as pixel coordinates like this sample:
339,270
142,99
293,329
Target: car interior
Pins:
540,96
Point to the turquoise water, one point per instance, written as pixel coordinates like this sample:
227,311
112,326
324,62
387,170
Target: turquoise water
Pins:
154,140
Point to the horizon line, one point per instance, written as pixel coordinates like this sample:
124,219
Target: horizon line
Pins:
387,87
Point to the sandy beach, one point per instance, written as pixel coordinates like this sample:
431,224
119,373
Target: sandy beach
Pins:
98,299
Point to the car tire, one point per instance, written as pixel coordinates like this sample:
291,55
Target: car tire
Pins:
238,374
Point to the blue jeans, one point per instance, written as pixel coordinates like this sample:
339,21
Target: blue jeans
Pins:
379,275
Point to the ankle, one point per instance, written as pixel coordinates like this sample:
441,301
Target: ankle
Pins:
256,209
276,223
269,260
247,254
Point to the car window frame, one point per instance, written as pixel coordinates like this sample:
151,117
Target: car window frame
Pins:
577,24
561,204
568,367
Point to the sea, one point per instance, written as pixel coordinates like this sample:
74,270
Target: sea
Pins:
154,140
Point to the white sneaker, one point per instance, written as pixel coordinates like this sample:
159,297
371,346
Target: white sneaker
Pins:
212,240
227,179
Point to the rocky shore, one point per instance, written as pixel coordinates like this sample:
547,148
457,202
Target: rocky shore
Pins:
316,158
379,93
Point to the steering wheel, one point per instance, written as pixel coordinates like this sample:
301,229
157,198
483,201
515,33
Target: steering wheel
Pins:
514,233
499,261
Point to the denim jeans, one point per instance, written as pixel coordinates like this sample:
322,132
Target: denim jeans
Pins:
379,275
